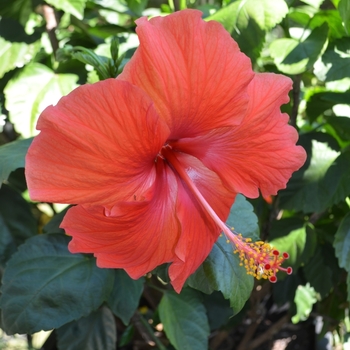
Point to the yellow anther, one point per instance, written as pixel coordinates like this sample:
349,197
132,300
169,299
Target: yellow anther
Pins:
260,259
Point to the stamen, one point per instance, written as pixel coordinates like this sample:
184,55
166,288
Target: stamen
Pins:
260,259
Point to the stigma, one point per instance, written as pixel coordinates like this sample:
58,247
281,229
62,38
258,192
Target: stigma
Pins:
260,259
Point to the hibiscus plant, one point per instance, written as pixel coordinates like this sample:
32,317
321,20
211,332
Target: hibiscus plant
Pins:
175,175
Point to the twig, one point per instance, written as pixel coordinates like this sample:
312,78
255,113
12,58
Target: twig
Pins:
218,339
255,314
269,333
176,5
316,216
146,330
296,100
51,25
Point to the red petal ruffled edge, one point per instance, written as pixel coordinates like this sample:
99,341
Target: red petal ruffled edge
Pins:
198,231
137,236
193,71
260,153
97,145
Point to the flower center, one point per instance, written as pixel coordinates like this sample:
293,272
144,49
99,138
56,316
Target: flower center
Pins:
260,259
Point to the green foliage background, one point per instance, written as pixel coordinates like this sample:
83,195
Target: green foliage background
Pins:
49,48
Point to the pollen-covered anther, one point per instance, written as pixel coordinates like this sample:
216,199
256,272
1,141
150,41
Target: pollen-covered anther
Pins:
260,259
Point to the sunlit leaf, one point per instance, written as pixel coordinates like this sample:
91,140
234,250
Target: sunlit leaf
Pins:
293,244
238,13
314,3
12,157
335,63
248,20
324,101
35,88
14,55
344,10
294,57
73,7
137,6
45,286
310,190
184,319
304,299
332,18
94,332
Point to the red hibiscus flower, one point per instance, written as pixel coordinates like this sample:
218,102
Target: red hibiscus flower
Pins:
153,160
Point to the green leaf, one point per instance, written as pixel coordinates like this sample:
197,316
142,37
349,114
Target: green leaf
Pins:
314,3
137,6
184,319
318,272
348,285
301,251
335,63
19,10
294,57
45,286
35,88
17,222
14,55
221,270
283,227
342,243
337,180
12,157
305,297
320,102
125,295
94,332
344,10
309,189
284,290
243,218
218,310
248,21
332,307
293,244
331,17
73,7
127,335
237,14
100,63
341,125
53,226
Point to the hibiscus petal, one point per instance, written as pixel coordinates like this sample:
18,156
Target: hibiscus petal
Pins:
192,70
140,237
97,145
199,232
260,153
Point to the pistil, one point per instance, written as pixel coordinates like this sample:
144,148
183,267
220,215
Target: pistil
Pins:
260,259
